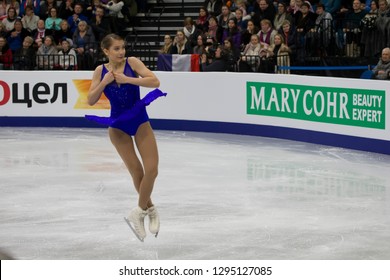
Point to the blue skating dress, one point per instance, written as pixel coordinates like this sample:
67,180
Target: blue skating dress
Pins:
128,111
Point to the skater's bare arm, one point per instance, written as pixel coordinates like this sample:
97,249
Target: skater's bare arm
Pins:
97,85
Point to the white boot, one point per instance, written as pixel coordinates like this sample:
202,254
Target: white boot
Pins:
154,220
136,218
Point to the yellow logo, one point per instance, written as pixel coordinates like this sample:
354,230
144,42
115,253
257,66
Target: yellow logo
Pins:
82,87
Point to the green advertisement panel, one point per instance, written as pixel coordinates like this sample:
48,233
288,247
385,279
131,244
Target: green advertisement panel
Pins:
346,106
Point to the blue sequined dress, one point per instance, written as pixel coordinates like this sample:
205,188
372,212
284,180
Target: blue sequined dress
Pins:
128,111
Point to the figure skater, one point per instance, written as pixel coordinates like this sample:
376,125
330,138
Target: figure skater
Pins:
120,80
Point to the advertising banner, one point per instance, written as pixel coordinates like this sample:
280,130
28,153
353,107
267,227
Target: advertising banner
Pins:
346,106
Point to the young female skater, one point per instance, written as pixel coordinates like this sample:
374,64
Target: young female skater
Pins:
120,80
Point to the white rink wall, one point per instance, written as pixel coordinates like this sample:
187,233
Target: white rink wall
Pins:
334,111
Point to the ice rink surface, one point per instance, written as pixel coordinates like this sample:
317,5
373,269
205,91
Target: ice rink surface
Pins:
64,193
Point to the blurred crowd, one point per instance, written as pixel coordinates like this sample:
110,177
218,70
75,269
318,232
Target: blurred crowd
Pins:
50,34
238,35
268,36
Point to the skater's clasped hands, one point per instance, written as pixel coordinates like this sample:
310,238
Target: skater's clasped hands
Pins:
108,78
121,78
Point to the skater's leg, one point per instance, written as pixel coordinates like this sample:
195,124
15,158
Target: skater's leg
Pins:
123,143
125,148
147,147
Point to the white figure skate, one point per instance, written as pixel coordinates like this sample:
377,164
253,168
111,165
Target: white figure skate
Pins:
135,220
154,221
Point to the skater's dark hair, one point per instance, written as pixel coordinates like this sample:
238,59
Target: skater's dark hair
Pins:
108,39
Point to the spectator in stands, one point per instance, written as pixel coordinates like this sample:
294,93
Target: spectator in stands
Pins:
382,70
290,5
181,45
294,7
382,22
242,6
200,46
304,15
366,5
46,6
233,33
250,58
53,21
24,58
16,36
90,10
66,9
14,4
191,31
5,54
322,32
235,52
289,36
85,45
351,28
100,24
30,19
9,21
247,34
220,62
224,17
281,16
76,17
266,33
3,9
40,33
370,32
117,19
68,56
263,10
64,32
34,4
232,4
305,21
214,7
241,23
338,20
279,55
202,22
167,46
214,30
47,54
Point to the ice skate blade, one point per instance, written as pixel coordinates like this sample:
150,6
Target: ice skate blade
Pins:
133,230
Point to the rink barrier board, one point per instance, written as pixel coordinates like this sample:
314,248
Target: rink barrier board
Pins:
315,137
196,102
